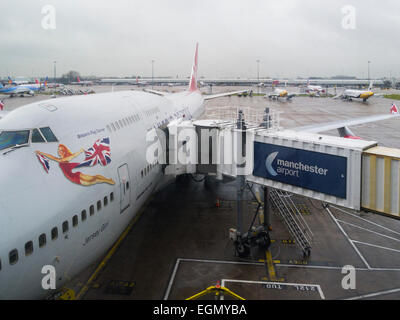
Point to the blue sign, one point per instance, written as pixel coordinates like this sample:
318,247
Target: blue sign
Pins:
311,170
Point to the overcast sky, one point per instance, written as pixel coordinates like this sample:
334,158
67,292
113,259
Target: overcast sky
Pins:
121,37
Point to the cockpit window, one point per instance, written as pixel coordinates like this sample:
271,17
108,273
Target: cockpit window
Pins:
48,134
36,136
13,138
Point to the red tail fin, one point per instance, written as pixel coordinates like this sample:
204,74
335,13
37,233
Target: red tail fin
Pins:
36,81
393,109
79,80
193,76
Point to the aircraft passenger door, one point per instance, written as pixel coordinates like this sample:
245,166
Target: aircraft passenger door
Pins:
125,186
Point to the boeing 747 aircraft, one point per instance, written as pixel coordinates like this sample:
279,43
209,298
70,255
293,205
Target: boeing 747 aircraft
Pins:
74,174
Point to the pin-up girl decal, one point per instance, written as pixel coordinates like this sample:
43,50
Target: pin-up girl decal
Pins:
65,156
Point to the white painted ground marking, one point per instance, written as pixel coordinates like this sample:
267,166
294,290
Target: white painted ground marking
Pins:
375,224
375,294
334,268
356,226
376,246
179,260
347,237
276,283
171,281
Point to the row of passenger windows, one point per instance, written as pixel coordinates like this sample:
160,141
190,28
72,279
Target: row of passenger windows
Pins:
42,239
114,126
147,170
152,111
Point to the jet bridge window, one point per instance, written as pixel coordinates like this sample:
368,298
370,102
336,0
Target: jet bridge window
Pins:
13,138
48,134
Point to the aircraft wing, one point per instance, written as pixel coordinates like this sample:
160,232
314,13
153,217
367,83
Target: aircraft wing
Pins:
3,113
293,94
344,123
338,96
218,95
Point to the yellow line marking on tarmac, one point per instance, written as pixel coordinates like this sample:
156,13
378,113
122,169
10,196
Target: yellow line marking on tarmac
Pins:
109,255
271,268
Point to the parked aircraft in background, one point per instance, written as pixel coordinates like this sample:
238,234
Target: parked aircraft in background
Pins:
314,90
23,89
350,94
17,82
82,83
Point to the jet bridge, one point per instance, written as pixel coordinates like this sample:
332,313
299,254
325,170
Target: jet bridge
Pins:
251,147
317,166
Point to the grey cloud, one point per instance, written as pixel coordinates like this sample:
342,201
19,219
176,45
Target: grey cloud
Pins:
118,37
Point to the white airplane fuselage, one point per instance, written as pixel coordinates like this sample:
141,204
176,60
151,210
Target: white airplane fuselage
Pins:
314,90
358,94
33,201
282,93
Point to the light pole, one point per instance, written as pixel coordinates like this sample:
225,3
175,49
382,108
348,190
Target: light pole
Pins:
152,73
55,74
258,75
55,71
368,69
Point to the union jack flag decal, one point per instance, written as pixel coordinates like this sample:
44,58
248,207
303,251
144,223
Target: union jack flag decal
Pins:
99,153
44,161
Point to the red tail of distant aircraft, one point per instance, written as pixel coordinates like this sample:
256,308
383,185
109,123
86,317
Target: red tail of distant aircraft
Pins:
393,109
193,76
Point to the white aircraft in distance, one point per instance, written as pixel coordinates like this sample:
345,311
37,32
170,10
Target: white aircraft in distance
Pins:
280,93
82,83
350,94
314,90
79,164
18,82
140,82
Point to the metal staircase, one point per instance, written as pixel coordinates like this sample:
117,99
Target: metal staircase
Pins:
294,221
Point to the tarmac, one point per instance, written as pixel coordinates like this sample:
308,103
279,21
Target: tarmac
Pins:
180,245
